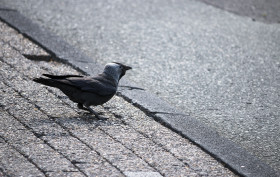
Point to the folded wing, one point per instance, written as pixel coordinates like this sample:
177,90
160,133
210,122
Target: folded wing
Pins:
100,85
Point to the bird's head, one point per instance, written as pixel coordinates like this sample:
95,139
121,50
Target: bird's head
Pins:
116,70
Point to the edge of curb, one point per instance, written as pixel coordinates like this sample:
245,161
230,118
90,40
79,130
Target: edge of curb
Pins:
234,157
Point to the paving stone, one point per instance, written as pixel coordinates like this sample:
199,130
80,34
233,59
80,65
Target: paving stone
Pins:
10,158
141,174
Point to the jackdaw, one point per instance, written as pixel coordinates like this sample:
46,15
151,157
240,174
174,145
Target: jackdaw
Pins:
86,90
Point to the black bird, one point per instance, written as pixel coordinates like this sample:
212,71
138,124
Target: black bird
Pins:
85,90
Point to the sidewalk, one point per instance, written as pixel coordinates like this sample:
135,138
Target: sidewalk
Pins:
42,133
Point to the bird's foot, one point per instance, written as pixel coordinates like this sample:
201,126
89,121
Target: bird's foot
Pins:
95,114
80,106
91,111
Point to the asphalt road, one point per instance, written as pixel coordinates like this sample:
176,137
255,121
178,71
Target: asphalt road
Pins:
216,66
267,11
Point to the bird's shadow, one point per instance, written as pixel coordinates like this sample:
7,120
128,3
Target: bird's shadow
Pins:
86,116
80,119
46,128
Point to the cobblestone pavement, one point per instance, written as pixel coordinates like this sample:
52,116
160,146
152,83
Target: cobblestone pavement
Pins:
42,133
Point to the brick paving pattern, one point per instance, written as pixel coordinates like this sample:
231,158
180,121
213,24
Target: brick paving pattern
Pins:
43,133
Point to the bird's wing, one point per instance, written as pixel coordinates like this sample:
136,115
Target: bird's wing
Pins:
98,85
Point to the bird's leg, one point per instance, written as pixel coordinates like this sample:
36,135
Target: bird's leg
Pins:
95,114
87,108
80,106
91,111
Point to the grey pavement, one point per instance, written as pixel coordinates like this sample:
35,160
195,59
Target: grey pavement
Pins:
258,10
42,133
215,66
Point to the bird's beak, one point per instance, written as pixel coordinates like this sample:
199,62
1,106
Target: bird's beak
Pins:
126,67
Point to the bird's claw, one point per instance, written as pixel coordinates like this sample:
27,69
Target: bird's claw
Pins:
95,114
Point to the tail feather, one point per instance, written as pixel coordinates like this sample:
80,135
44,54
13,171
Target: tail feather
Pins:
48,82
60,77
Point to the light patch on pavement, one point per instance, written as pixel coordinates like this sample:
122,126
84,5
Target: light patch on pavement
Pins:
142,174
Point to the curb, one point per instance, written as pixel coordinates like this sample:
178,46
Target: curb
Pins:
222,149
